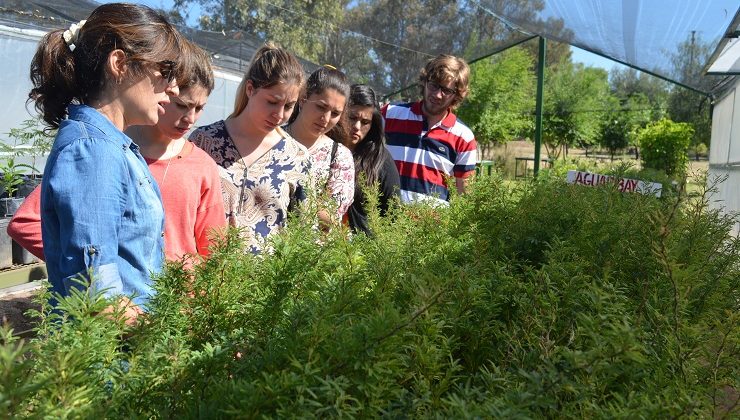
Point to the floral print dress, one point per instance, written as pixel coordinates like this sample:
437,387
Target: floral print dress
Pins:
337,177
257,197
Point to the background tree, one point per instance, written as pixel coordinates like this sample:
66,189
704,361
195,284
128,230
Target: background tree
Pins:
626,83
410,25
685,105
614,133
622,120
303,27
380,42
499,107
574,106
557,52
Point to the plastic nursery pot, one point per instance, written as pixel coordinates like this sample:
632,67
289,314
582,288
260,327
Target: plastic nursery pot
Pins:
30,182
8,206
6,245
21,256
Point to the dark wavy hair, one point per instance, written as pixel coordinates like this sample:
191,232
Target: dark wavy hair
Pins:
318,82
61,75
370,152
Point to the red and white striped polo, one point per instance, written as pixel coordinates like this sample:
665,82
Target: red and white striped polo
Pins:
427,156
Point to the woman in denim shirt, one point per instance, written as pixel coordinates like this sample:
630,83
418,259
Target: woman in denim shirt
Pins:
101,211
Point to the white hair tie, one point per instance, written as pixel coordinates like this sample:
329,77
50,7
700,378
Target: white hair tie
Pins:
72,34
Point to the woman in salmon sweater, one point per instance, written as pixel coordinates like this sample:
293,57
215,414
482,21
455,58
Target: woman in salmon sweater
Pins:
187,177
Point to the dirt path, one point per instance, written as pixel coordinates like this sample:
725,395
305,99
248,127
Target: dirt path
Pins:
13,306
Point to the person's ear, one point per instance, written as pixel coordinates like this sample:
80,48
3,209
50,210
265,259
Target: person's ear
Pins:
249,89
117,66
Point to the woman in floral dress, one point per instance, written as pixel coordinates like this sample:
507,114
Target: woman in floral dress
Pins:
321,126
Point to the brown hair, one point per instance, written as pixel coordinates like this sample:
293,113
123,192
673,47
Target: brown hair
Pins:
444,68
270,65
318,82
61,74
196,68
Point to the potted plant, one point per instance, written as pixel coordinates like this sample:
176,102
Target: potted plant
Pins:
10,180
30,139
17,180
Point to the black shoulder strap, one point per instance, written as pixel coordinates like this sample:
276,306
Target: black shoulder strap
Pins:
332,158
334,148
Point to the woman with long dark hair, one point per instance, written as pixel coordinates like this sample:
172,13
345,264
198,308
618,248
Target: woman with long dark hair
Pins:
374,165
320,125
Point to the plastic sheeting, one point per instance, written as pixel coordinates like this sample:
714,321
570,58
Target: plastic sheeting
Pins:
724,157
650,35
726,57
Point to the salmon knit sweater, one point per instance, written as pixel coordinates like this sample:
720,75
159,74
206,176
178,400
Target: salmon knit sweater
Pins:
191,195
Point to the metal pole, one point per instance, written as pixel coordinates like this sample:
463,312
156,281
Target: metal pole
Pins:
538,109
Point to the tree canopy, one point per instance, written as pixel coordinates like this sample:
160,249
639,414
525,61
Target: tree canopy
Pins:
384,43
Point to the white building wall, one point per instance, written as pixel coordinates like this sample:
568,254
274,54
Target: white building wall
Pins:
221,102
724,155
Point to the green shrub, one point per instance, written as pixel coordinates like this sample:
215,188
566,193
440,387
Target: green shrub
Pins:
535,299
665,144
560,167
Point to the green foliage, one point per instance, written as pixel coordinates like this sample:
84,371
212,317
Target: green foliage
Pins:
622,121
627,83
284,22
615,129
33,136
686,105
523,300
665,145
575,98
30,139
559,168
383,43
499,105
11,176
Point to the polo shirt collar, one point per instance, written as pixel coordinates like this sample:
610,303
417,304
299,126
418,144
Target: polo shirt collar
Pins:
416,108
448,121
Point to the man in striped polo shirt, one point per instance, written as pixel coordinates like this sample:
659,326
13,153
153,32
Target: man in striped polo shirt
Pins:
427,141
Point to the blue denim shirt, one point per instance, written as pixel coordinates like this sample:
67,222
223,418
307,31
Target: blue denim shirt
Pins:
101,211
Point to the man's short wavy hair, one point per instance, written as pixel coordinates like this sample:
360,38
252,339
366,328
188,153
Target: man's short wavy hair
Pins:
444,68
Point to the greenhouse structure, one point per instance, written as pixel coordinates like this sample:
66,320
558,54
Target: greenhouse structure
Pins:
23,23
647,35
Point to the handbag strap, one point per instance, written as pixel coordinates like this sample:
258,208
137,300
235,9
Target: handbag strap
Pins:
333,157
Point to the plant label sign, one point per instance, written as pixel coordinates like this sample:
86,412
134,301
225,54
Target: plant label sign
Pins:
623,184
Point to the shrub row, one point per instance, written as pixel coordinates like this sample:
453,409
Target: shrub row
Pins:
528,300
